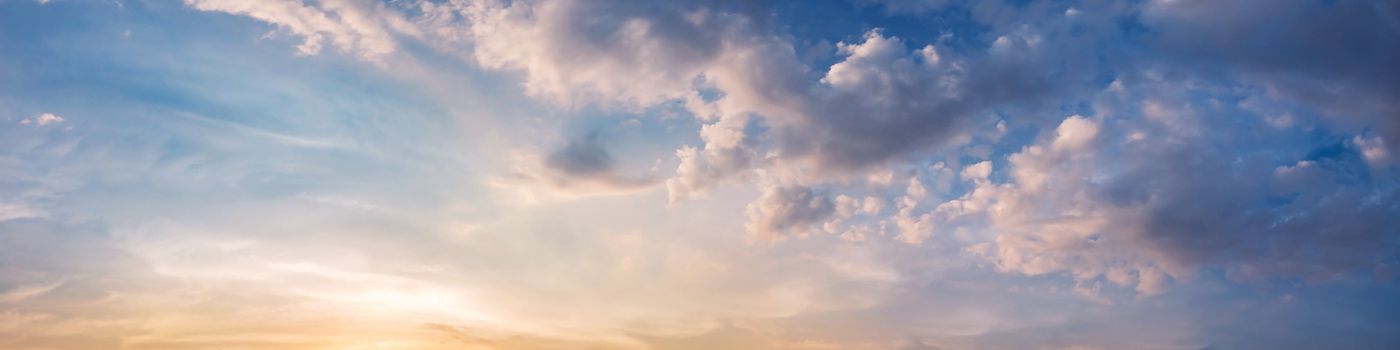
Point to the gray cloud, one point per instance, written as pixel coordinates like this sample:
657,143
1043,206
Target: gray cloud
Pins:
783,210
1180,190
584,159
1338,57
581,167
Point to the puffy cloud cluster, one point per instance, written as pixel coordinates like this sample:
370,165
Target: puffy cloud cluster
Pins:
725,65
1135,197
1046,217
633,53
1151,183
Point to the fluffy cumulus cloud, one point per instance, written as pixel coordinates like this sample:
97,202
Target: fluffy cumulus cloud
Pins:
634,53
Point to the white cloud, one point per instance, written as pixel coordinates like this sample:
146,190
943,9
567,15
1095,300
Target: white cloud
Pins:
42,120
639,56
353,27
913,226
1045,220
979,171
1075,133
727,154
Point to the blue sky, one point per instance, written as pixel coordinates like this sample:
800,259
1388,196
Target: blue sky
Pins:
866,174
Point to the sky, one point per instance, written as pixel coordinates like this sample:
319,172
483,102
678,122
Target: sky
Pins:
707,174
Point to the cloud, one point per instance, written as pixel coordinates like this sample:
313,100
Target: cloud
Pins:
1336,58
1076,133
633,55
582,167
42,119
1373,149
585,158
880,102
12,211
1151,210
728,153
612,53
1135,183
27,291
732,70
913,226
345,202
788,210
366,31
1004,185
909,6
979,171
1091,198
